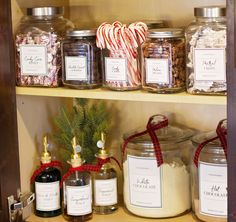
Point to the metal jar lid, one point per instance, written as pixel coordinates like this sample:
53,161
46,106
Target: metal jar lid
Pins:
81,33
166,33
45,11
210,11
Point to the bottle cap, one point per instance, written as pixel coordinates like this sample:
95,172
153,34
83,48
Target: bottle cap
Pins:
46,156
76,160
102,152
210,11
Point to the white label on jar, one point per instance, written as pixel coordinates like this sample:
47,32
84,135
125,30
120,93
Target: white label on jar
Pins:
76,68
105,192
47,196
145,183
33,60
213,189
79,200
115,69
209,64
157,71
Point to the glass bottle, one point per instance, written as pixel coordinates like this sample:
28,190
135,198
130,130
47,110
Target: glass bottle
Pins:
206,52
47,188
105,183
77,190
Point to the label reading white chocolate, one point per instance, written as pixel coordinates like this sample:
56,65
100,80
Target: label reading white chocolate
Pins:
157,71
105,192
213,189
79,200
33,60
210,64
145,182
47,196
115,69
76,68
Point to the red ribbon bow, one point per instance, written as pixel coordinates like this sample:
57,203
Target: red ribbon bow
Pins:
42,167
150,129
221,132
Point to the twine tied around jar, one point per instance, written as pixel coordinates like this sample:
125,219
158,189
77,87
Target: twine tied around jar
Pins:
221,132
154,123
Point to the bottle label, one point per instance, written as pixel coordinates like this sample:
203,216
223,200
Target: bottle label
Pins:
210,64
76,68
33,60
115,69
157,71
105,192
213,189
145,182
47,196
79,200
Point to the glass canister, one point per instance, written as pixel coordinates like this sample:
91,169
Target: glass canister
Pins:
38,46
163,61
209,180
206,52
152,191
81,60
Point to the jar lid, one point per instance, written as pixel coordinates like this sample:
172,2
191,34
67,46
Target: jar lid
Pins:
166,33
45,11
210,11
81,33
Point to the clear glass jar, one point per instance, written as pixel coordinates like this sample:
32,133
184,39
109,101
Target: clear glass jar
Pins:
205,49
158,192
209,181
38,47
81,60
163,61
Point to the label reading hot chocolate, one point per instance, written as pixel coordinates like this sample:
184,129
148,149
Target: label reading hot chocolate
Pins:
115,69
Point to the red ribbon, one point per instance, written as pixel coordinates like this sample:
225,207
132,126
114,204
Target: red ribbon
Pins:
150,129
42,167
221,132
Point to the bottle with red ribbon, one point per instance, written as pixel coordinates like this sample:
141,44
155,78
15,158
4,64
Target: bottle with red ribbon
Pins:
209,175
77,187
46,180
105,181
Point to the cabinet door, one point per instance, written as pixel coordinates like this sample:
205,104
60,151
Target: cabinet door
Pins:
9,157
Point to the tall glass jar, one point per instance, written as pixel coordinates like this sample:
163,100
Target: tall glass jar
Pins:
163,61
81,60
158,192
205,49
38,47
209,181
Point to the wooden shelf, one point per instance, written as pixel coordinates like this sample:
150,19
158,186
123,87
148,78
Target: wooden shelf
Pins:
126,96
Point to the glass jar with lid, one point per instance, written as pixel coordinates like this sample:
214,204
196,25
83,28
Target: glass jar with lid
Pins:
163,61
81,60
152,191
38,46
205,48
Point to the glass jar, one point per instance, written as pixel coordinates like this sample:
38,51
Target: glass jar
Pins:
38,42
205,49
158,192
209,181
163,61
81,60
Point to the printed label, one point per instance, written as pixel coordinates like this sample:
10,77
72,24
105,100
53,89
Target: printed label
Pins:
79,200
115,69
105,192
33,60
145,182
76,68
210,64
157,71
213,189
47,196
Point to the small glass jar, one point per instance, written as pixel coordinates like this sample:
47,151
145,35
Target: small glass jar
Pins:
158,192
81,60
206,52
38,47
209,181
163,61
